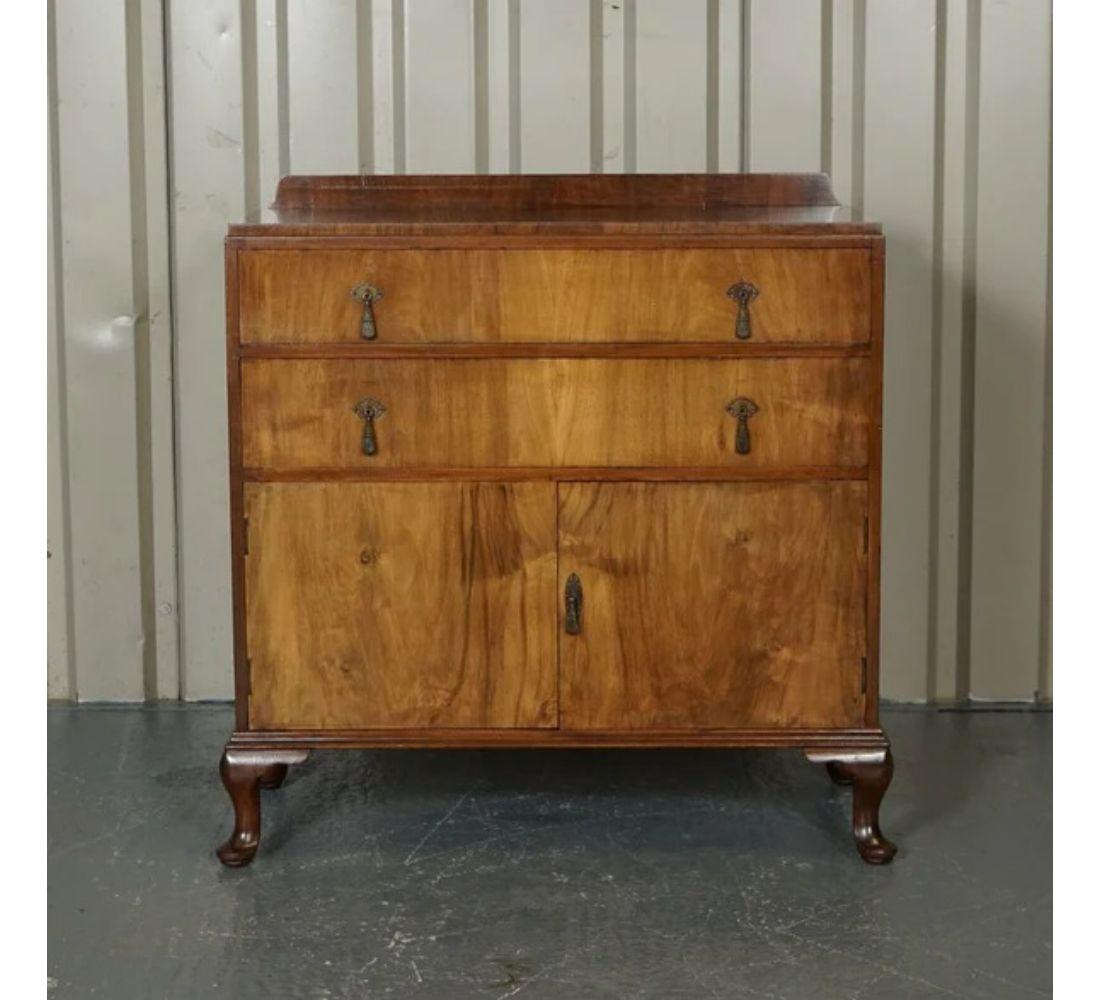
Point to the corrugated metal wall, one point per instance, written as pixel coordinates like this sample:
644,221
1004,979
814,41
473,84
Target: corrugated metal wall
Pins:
170,118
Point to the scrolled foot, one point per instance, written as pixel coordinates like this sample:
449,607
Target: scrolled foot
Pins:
244,773
874,848
239,849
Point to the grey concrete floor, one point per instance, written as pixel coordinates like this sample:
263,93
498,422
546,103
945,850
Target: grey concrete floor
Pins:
547,874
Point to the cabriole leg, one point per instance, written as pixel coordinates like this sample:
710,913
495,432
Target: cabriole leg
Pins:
869,774
244,773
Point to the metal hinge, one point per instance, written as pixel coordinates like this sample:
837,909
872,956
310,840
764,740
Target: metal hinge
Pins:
862,675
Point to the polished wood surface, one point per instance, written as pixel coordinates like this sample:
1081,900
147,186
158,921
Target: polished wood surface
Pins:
585,204
244,771
559,474
825,739
401,605
456,296
555,356
544,413
612,349
459,193
869,780
714,605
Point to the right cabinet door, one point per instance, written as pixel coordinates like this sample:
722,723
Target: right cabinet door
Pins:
712,605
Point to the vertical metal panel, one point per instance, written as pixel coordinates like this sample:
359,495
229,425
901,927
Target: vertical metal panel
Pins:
364,84
899,184
383,78
60,682
439,86
952,325
1046,582
554,86
595,86
612,90
728,52
1010,345
500,86
99,320
481,86
272,98
784,85
208,177
671,86
157,399
845,145
323,76
60,678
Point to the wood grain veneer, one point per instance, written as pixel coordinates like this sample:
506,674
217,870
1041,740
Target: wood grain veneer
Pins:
555,541
550,412
402,605
517,296
745,603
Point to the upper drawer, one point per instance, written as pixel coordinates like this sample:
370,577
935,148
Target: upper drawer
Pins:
410,414
574,296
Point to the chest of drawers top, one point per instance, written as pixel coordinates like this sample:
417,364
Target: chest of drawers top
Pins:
558,204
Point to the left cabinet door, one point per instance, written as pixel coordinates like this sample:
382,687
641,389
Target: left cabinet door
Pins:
392,605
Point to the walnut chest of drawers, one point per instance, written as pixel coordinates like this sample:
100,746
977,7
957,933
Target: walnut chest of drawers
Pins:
555,461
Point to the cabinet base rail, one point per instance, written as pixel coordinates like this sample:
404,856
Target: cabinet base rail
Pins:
859,758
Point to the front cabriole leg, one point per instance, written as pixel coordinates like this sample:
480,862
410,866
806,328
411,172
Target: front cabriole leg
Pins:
244,773
869,773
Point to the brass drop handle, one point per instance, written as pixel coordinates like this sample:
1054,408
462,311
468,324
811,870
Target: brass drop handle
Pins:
743,293
741,409
368,295
574,604
369,410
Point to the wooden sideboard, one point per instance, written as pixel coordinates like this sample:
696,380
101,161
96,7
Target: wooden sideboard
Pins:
587,461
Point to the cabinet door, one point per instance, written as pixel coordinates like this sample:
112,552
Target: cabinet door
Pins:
401,605
713,605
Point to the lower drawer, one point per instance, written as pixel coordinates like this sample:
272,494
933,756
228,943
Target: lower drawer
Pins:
417,414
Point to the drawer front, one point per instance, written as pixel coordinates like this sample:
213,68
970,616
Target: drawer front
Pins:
401,605
416,414
713,605
574,296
